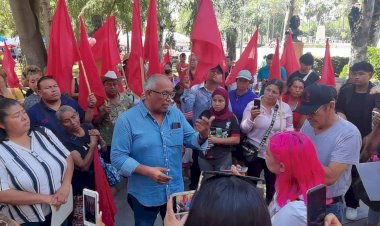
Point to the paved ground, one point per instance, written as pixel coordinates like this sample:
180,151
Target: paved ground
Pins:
124,215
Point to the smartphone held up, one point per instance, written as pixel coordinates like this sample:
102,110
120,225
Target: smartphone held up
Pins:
90,207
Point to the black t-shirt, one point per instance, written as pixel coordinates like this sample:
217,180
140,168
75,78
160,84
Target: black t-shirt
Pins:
312,78
81,179
357,107
222,129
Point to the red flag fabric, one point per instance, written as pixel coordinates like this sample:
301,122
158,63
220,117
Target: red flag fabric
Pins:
9,68
105,49
275,70
88,66
328,75
247,60
63,50
151,40
135,68
288,59
165,60
206,44
106,201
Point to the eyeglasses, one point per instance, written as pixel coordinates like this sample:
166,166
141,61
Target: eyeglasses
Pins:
210,175
165,94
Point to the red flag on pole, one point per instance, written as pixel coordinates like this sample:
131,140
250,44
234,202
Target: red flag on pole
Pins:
288,59
135,68
151,40
328,75
206,41
106,201
63,50
247,60
165,60
88,73
9,68
275,70
105,50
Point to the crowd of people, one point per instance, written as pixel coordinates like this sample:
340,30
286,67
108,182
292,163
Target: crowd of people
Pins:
300,134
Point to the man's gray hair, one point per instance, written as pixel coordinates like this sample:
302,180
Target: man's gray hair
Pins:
151,82
63,109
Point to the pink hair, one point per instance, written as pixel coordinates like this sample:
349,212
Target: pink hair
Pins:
302,167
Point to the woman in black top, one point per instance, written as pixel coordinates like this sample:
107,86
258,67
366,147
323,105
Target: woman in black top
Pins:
81,140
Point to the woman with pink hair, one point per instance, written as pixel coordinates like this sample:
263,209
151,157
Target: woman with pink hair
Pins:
292,157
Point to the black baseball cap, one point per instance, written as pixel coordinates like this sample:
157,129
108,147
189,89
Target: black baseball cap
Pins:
313,97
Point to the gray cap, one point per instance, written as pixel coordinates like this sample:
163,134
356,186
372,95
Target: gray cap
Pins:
245,74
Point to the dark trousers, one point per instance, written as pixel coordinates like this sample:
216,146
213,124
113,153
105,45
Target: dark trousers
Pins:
145,216
195,171
254,170
106,155
349,197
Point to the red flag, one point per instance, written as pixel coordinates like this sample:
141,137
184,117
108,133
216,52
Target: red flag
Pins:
135,68
105,50
275,71
328,76
106,201
151,40
63,50
88,66
206,41
288,59
9,69
247,60
165,60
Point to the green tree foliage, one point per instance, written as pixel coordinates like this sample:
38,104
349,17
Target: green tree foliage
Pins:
8,27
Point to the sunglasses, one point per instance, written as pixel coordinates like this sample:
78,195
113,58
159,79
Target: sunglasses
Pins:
212,175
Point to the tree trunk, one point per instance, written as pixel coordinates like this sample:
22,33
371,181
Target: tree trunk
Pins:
231,36
360,19
374,31
46,18
25,14
289,13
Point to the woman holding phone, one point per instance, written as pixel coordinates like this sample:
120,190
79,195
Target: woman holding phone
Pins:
291,156
259,124
225,133
35,168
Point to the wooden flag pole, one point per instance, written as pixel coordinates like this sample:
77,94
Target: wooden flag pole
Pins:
142,72
85,77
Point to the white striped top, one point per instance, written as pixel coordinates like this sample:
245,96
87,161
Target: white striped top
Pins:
39,170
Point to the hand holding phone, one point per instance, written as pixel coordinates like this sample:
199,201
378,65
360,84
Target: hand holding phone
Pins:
90,207
316,206
182,202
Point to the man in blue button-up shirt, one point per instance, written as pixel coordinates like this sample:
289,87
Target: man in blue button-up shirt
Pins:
146,147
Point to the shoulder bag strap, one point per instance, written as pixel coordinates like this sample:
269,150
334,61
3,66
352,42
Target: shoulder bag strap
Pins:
265,138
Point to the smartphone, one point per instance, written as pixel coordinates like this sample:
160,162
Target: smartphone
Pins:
257,103
240,169
90,207
316,206
182,202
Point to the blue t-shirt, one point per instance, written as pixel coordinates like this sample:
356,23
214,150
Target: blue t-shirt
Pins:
263,74
42,115
238,103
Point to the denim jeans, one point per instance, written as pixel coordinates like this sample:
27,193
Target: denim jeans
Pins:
337,209
145,216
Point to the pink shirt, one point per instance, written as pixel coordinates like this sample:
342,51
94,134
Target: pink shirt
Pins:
255,130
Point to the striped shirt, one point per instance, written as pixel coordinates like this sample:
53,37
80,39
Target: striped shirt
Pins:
39,170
